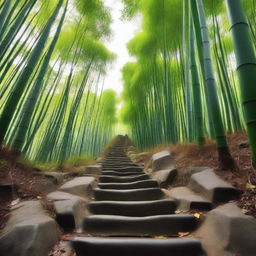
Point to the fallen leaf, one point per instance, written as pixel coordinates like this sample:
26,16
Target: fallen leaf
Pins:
160,237
197,215
14,202
182,234
250,186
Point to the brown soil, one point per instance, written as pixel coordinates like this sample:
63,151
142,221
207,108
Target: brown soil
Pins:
27,183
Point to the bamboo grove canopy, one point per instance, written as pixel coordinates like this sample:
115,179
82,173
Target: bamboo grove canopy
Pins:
193,76
52,65
184,85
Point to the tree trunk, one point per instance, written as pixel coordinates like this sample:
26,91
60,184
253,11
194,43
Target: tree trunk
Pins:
246,67
226,161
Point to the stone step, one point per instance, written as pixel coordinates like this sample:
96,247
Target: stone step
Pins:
114,179
116,154
189,200
133,208
121,161
119,165
122,171
115,173
131,185
130,169
158,225
136,247
209,185
117,158
144,194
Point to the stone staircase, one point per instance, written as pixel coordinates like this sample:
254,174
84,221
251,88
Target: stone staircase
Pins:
131,215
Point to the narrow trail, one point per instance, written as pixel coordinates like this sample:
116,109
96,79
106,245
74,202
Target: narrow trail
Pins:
132,216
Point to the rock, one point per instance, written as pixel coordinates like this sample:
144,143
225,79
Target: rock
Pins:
131,185
115,179
213,188
70,209
143,194
157,225
29,231
57,177
99,160
164,177
189,200
190,171
133,208
228,232
90,246
81,186
162,161
91,169
47,185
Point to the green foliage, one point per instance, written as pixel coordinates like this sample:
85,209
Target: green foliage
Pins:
59,111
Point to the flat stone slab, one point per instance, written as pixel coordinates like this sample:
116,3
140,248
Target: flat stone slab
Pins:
114,179
70,209
166,225
196,169
162,161
29,231
133,208
123,163
189,200
209,185
131,185
144,194
81,186
136,247
227,231
164,177
123,169
93,169
116,173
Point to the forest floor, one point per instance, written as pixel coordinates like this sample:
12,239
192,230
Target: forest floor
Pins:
28,183
189,155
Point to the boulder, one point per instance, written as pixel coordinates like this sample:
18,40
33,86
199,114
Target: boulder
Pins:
57,177
189,200
190,171
213,188
70,209
29,231
227,231
81,186
91,169
162,161
47,185
99,160
164,177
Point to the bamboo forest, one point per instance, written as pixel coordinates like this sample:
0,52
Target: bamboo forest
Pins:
192,76
127,127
